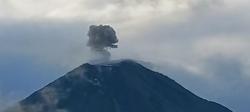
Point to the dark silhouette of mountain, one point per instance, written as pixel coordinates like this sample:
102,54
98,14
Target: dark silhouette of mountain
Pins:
123,86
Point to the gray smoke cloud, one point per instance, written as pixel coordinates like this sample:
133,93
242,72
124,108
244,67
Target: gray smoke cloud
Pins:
101,38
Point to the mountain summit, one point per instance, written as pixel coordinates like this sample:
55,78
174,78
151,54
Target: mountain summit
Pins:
123,86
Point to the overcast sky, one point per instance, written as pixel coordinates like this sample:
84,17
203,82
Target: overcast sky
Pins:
202,44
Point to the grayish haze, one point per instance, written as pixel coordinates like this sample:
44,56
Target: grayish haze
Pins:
202,44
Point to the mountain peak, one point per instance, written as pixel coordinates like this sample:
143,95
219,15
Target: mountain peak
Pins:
116,86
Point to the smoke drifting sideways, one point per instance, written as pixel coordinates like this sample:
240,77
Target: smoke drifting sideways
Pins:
101,38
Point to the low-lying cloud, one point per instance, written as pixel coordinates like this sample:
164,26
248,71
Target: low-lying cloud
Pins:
49,97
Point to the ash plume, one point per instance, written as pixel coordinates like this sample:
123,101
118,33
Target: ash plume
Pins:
101,38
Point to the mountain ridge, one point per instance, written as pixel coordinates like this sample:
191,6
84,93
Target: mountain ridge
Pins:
119,86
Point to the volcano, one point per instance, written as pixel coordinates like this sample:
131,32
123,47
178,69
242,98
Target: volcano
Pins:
122,86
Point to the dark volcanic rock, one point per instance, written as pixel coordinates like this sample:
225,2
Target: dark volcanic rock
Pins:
124,86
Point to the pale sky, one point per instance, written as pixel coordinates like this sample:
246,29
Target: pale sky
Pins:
202,44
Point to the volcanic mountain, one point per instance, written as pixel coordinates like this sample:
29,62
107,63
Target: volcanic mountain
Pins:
123,86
